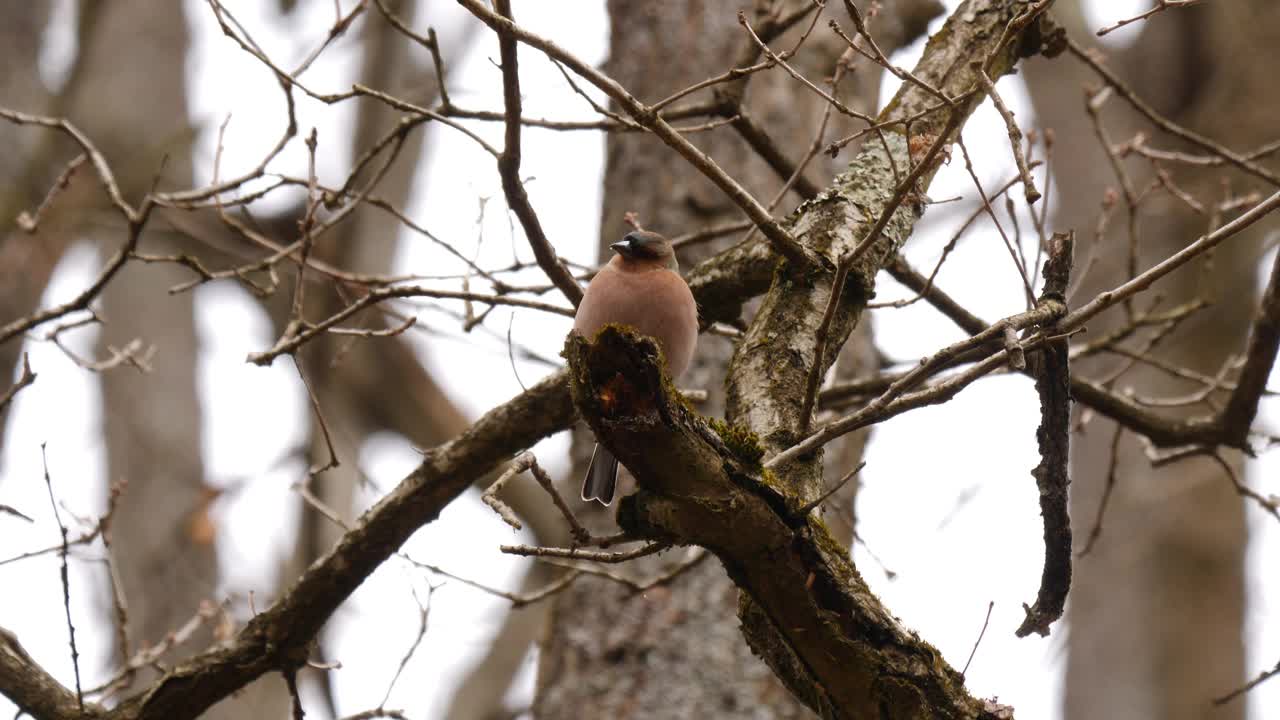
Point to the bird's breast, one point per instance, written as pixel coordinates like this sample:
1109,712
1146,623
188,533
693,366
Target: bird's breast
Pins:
656,303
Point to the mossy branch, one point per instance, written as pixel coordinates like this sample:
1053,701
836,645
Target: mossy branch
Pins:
806,611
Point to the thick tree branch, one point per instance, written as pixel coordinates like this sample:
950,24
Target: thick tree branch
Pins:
33,690
864,218
806,609
848,656
280,637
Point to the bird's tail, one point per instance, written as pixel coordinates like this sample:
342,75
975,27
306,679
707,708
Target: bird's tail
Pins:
602,476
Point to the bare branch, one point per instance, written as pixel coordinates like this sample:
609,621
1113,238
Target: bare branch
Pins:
1015,138
66,579
1053,437
1087,57
286,629
781,240
1260,356
1160,6
33,690
509,169
25,379
1077,318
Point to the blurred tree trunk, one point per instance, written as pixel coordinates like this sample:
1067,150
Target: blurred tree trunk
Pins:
369,385
1157,607
364,385
131,99
26,261
676,651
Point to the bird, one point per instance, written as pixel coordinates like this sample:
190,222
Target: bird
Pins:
641,287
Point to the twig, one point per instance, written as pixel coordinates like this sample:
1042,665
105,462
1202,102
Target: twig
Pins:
877,55
990,606
301,333
1161,6
814,378
24,380
29,222
516,599
1102,301
1241,162
808,507
205,612
527,461
333,461
1093,105
424,613
780,60
889,403
133,352
66,579
81,301
1269,504
693,557
10,510
578,554
1262,677
986,206
746,64
1015,135
774,232
1113,467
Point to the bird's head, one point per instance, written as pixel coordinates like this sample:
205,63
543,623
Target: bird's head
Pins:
647,247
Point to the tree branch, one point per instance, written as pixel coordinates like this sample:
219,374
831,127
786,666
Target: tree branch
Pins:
509,169
848,656
1052,373
281,636
33,690
778,236
864,218
1264,340
807,611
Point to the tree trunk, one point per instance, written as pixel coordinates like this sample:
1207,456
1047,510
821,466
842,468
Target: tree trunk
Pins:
26,261
677,651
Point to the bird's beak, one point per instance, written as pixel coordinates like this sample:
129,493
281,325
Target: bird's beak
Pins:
622,247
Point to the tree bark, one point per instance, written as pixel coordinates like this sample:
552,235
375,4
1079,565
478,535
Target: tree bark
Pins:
677,651
687,664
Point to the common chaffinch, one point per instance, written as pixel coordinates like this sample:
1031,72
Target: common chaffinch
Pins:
641,287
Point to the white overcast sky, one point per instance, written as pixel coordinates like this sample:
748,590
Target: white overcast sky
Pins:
907,508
